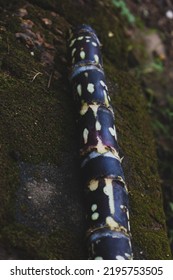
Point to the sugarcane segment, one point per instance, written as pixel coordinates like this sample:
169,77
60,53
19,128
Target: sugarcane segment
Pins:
107,207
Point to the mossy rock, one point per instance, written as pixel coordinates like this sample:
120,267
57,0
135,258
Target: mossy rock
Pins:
42,214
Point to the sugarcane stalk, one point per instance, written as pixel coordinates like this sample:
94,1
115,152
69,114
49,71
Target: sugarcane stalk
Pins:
107,207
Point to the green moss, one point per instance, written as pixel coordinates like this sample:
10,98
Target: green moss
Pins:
59,245
38,124
140,165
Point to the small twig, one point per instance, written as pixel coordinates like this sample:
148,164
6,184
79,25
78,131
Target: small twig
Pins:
58,31
50,79
35,76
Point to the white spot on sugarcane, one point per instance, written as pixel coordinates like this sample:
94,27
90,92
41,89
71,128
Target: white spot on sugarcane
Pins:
106,98
88,37
112,131
96,58
125,187
95,216
113,225
84,109
86,74
98,126
85,135
130,244
108,190
88,41
94,207
128,225
120,179
127,213
115,134
82,55
118,257
72,43
90,87
93,185
94,44
123,208
127,255
79,89
94,108
103,84
73,51
100,147
98,258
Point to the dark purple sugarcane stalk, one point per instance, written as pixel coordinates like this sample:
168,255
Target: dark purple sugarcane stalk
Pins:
108,229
